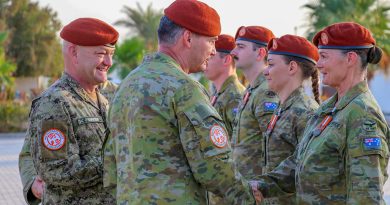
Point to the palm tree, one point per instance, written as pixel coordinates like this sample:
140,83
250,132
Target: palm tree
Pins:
143,22
373,14
128,55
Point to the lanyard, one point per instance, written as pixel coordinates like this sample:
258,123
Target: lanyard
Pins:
214,99
325,122
273,120
246,97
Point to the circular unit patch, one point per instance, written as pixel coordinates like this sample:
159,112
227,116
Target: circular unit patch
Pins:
218,136
53,139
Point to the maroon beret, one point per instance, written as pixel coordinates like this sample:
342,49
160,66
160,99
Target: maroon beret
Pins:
296,46
195,16
225,43
90,32
346,35
254,34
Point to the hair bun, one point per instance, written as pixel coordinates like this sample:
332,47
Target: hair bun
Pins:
374,55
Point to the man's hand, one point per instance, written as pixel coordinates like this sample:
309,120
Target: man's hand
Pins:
37,187
256,193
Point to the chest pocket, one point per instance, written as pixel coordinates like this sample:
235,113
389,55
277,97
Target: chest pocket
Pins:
204,119
90,133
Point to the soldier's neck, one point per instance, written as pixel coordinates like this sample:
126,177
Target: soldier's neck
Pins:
93,96
221,80
253,72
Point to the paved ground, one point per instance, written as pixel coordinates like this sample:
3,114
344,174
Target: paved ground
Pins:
10,184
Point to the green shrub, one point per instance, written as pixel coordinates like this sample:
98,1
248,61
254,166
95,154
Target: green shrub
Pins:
13,116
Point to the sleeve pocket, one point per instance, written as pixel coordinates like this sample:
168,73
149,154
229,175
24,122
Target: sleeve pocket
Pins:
53,140
369,145
203,119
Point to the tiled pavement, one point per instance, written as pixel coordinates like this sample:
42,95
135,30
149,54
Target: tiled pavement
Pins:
10,184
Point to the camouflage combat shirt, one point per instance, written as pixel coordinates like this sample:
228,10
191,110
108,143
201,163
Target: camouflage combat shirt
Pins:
67,130
168,145
107,89
227,99
26,165
254,112
346,163
281,141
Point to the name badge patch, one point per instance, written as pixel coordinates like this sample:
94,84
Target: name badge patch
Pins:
372,143
53,139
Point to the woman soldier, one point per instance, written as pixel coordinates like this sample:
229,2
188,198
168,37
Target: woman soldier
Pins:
291,60
342,157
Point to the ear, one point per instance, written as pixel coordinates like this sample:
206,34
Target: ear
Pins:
72,50
186,38
228,59
262,53
293,68
352,58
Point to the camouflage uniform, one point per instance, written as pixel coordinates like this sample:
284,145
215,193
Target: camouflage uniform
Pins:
226,103
227,100
345,163
160,150
27,171
73,173
107,89
26,165
250,124
281,141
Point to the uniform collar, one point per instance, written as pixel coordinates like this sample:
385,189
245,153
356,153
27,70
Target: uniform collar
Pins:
258,81
76,87
229,81
295,96
162,57
351,94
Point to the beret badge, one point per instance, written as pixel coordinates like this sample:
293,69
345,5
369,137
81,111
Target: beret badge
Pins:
324,38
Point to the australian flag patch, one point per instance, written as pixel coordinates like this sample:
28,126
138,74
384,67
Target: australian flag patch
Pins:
270,106
372,143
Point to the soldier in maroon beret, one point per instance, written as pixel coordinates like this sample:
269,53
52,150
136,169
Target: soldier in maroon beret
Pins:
291,60
258,103
168,144
221,70
68,122
343,154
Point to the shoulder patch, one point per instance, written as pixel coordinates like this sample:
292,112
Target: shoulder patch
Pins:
218,136
270,106
371,143
53,139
